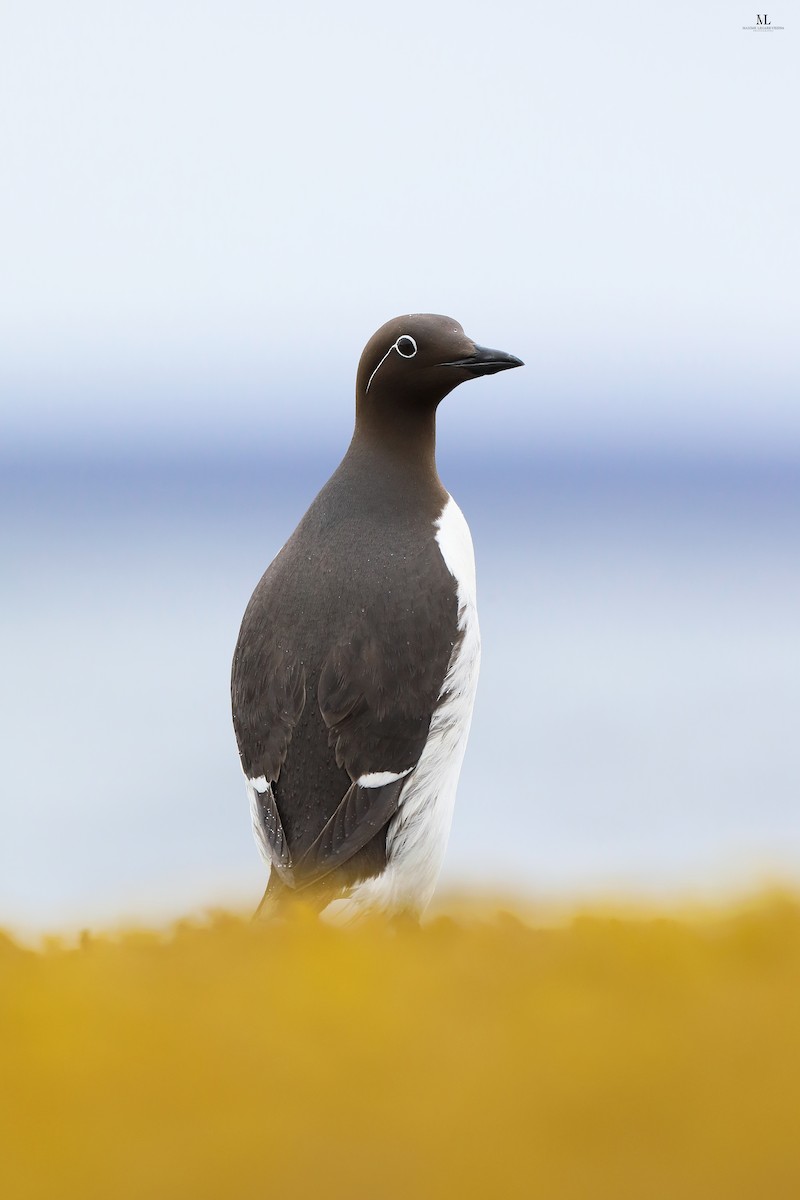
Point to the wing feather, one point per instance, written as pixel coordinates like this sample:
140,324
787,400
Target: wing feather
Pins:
362,814
268,695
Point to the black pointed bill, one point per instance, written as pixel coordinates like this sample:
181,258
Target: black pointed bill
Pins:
486,362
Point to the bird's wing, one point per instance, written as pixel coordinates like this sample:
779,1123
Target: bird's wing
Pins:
377,705
268,695
378,688
362,813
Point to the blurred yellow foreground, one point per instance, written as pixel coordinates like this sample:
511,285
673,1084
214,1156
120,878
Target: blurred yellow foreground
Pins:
625,1057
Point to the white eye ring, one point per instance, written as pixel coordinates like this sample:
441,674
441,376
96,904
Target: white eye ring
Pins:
404,337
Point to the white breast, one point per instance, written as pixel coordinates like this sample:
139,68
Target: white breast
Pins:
417,836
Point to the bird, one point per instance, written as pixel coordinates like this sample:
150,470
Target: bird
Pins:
356,665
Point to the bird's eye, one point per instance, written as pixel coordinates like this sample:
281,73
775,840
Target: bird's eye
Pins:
405,346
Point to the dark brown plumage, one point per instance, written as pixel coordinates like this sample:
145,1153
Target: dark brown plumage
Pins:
346,641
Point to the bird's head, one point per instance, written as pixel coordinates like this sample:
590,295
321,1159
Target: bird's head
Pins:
417,359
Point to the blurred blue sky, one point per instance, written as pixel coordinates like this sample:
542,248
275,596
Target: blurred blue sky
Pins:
635,727
207,209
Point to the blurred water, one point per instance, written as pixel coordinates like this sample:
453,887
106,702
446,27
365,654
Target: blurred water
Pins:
636,724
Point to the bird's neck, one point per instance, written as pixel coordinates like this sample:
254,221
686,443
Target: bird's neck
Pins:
401,440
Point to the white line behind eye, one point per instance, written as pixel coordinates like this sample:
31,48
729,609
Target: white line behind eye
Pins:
396,346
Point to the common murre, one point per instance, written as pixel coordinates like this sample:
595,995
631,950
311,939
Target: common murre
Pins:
357,661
